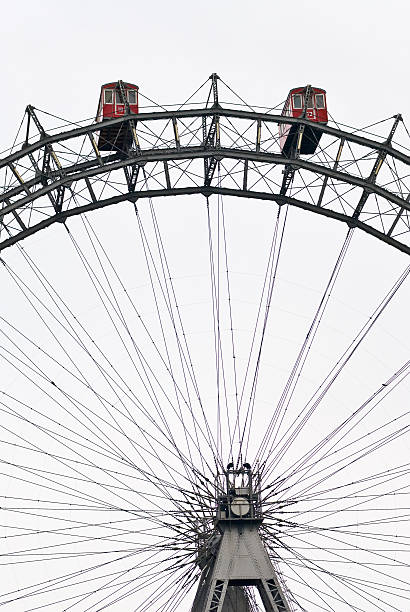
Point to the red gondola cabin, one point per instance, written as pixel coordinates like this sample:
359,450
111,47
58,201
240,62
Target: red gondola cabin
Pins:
316,112
116,100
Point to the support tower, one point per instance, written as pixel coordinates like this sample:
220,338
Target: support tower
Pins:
235,556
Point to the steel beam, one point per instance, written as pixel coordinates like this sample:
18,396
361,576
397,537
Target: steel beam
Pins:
207,112
153,193
57,183
188,153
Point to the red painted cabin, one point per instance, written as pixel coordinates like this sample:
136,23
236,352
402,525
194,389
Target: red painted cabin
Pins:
112,105
316,112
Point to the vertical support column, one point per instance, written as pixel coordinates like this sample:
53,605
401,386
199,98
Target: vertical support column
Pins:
218,595
376,168
258,135
289,170
214,78
49,154
211,137
335,165
176,133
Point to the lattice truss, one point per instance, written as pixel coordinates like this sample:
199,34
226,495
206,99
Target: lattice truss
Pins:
215,146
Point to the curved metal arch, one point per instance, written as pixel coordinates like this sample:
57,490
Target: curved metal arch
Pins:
180,115
76,173
209,191
44,185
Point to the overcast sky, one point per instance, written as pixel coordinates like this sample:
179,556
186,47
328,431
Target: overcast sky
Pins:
56,55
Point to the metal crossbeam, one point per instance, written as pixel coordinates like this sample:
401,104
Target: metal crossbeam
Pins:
209,112
376,168
249,167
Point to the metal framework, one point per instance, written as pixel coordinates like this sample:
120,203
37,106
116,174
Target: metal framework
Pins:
361,181
241,560
237,558
221,150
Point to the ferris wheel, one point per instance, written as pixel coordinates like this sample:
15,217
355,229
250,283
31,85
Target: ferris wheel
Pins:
196,411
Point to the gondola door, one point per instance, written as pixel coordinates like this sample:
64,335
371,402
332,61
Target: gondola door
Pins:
119,105
311,110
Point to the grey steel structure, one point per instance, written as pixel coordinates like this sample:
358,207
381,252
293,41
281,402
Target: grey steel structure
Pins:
215,149
237,558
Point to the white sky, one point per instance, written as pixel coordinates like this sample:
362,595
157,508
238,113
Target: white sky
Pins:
56,55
